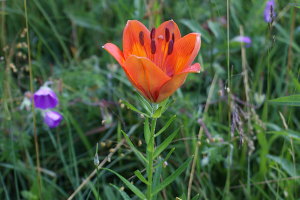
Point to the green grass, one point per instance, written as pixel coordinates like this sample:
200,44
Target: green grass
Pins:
255,145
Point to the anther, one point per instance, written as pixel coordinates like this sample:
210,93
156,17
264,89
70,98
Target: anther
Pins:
152,34
141,37
170,47
153,47
167,34
173,37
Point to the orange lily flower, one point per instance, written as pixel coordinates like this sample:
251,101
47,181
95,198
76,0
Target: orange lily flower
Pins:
156,62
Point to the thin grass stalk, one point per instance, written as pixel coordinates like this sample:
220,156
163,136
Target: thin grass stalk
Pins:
227,184
39,180
87,180
200,133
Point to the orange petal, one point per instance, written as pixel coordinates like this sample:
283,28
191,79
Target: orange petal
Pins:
195,68
146,76
173,28
171,86
162,40
132,42
115,52
184,52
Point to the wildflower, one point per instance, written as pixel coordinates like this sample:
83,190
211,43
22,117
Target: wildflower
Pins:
52,118
269,13
243,39
156,62
45,98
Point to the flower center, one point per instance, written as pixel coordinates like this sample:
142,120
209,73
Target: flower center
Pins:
163,44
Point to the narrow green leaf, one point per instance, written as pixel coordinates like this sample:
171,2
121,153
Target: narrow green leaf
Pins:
165,144
165,159
158,112
137,152
285,164
289,133
141,177
165,104
196,197
172,177
156,178
165,126
123,193
134,189
293,100
150,146
169,154
145,104
147,132
131,107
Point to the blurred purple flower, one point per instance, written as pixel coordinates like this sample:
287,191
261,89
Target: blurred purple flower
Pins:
52,118
45,98
244,39
269,13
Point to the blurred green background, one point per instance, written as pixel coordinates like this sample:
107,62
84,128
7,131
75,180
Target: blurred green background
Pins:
248,149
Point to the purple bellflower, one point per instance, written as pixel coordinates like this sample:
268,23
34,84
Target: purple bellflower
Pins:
243,39
45,98
52,118
269,13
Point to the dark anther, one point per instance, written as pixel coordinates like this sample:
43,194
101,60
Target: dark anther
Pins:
141,36
173,37
153,47
167,34
170,47
152,34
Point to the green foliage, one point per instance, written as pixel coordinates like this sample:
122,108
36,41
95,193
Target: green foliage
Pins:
293,100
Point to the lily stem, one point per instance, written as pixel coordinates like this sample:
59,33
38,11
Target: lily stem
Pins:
150,152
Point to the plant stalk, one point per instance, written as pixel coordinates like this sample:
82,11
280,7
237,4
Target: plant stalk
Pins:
150,152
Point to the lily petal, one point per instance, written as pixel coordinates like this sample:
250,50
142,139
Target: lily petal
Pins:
195,68
147,77
163,35
171,86
172,27
132,40
184,53
115,52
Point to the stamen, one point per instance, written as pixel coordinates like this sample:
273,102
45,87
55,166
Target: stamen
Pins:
173,37
167,34
153,47
170,46
152,34
141,37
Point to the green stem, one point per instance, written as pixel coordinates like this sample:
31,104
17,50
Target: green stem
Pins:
150,151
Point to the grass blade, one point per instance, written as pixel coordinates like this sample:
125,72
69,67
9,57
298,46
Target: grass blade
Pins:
165,144
141,177
134,189
293,100
172,177
137,152
123,193
165,126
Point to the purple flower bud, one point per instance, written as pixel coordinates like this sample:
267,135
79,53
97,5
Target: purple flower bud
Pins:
45,98
52,118
269,13
244,39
